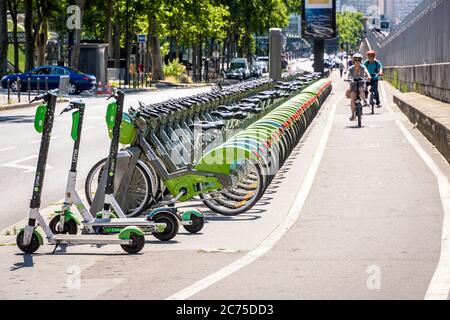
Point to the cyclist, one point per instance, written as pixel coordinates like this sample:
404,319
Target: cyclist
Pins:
375,69
357,70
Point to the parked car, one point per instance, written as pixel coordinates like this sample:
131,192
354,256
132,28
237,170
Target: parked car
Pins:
257,69
239,69
265,63
78,81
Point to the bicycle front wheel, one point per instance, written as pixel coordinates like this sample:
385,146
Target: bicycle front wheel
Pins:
139,192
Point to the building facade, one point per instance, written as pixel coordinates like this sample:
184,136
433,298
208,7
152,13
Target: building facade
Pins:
363,6
403,8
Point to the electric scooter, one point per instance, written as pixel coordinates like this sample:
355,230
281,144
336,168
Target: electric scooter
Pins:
29,239
163,224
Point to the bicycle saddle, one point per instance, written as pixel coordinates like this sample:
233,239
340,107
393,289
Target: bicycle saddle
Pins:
205,125
186,103
162,110
230,115
171,107
247,105
149,114
254,100
227,108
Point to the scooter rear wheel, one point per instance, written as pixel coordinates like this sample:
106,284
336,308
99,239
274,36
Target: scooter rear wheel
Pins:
30,248
138,244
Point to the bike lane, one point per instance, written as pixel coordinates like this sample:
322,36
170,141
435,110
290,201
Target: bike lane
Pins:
370,228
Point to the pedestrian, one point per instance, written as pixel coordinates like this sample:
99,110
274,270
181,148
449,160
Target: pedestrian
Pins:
341,68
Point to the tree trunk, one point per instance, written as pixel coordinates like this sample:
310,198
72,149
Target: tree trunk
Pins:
76,47
229,41
108,28
3,38
29,38
116,45
41,43
157,67
194,61
200,57
12,6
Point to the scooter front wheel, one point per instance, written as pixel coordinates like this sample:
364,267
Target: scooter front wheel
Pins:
70,227
30,248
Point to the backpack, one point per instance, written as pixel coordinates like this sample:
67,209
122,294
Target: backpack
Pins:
366,64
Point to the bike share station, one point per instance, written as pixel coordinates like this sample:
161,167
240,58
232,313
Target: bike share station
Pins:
219,149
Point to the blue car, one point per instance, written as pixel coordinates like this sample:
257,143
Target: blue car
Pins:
78,81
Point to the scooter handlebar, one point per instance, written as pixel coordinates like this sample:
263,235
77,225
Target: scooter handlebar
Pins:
70,107
45,95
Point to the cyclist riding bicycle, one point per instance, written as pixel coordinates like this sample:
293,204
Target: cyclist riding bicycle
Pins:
375,69
357,71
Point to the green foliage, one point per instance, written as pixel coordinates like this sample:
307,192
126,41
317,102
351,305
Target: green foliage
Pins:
350,26
174,69
21,55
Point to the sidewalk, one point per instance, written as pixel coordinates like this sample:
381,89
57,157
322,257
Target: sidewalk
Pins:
431,117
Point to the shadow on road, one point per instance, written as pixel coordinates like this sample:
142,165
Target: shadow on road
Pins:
27,262
17,119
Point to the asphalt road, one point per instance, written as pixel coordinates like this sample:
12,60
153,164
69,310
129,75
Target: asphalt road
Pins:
356,213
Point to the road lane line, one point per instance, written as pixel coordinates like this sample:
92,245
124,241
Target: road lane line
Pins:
39,141
439,287
15,165
8,148
278,233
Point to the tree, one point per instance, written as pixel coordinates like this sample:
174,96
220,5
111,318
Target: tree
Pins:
75,59
36,13
29,38
349,26
13,6
3,38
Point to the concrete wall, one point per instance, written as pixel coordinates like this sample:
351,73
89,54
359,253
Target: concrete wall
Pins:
416,55
432,80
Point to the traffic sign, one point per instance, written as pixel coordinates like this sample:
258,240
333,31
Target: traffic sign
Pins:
142,38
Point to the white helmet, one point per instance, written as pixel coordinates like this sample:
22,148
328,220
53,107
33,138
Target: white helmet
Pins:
357,56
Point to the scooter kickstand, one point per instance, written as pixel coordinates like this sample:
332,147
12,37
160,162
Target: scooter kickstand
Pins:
56,246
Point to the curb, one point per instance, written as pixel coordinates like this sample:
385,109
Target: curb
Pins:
435,131
24,105
180,85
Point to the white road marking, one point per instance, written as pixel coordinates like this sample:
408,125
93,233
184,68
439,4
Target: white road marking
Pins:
39,141
8,148
89,128
439,287
16,165
388,107
278,233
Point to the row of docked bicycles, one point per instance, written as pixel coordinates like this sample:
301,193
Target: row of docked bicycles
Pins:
221,148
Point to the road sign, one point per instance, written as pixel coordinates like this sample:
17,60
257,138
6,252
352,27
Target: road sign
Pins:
142,38
319,19
20,37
